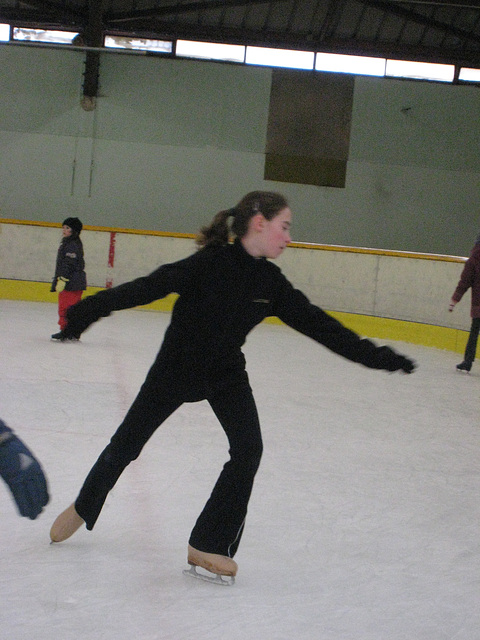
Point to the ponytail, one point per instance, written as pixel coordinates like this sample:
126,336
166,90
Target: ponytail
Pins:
219,232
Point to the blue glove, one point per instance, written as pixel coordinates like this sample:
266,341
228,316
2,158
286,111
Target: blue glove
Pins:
22,473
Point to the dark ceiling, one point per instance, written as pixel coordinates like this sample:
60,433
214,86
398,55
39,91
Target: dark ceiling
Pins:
445,31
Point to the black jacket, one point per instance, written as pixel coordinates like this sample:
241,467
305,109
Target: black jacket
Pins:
223,294
70,264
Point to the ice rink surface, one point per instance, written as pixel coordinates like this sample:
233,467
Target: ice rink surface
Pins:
363,524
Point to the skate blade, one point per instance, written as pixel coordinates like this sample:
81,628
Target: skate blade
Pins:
225,581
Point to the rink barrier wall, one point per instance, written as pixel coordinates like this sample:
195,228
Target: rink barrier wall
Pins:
377,293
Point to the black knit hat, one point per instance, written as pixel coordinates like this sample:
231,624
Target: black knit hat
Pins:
75,225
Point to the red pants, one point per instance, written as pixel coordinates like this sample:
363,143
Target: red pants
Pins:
65,300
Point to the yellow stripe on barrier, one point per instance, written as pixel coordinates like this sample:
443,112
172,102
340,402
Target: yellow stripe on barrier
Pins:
400,330
368,326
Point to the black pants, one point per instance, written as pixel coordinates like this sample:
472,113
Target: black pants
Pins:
471,348
220,525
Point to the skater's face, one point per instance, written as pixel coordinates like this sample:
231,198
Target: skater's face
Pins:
268,238
66,231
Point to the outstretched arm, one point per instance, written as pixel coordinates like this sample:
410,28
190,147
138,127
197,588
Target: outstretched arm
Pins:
297,311
168,278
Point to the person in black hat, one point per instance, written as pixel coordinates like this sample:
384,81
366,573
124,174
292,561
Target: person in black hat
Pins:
70,279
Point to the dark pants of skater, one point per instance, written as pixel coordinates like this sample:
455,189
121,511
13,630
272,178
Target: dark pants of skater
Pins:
471,348
220,525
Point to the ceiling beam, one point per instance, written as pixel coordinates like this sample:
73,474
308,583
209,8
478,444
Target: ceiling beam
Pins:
45,8
179,9
467,4
412,16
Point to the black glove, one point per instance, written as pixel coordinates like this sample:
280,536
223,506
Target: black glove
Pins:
53,288
408,366
392,361
400,363
22,473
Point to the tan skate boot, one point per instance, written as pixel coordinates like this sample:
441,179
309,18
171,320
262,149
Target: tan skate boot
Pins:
213,562
66,524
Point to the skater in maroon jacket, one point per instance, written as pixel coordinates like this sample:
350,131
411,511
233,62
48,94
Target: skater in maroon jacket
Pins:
470,279
225,289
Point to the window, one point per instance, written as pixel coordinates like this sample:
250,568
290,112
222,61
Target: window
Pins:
44,35
265,56
210,51
420,70
280,58
469,75
4,32
361,65
139,44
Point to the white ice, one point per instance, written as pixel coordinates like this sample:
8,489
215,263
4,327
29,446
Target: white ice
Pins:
363,524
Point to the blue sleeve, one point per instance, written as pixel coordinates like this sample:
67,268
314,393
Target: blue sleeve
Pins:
22,473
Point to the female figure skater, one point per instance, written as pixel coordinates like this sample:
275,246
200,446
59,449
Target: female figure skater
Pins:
225,289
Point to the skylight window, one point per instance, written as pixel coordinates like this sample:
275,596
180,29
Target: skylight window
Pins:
265,56
138,44
4,32
360,65
469,75
210,51
44,35
280,58
420,70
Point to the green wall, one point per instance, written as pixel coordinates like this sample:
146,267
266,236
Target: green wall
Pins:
173,141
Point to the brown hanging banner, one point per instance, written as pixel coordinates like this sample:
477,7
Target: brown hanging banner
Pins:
308,133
